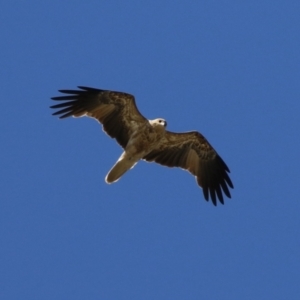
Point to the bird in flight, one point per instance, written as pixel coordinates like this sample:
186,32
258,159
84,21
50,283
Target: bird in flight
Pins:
147,139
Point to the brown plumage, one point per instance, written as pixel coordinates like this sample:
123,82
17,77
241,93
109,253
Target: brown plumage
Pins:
147,139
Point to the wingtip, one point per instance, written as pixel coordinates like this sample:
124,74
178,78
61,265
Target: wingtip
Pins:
89,89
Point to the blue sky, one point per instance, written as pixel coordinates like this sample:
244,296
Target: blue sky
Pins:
229,69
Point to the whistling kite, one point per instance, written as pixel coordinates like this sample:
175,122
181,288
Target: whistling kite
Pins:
147,139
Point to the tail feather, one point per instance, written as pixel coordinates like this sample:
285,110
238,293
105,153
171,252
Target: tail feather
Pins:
120,168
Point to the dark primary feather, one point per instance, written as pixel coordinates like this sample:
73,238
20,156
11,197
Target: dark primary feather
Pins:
115,110
192,152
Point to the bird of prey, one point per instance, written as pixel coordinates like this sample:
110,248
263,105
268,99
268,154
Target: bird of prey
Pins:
147,139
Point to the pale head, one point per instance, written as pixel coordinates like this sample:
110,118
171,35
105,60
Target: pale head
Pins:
158,122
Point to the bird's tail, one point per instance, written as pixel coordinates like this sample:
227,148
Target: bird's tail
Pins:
122,166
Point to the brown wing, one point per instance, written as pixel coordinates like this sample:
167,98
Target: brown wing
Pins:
115,110
192,152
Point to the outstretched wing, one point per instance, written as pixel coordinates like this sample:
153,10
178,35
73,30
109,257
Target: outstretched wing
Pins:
192,152
117,111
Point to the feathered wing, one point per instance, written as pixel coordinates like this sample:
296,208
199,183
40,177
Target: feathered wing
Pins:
192,152
117,111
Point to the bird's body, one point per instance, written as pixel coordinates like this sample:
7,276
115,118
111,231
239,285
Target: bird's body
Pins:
142,141
148,140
